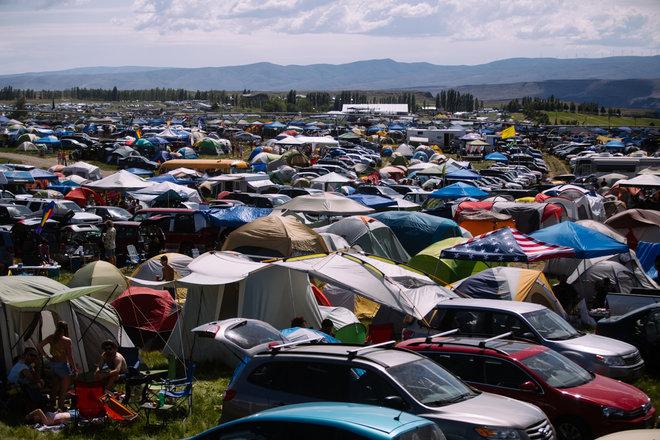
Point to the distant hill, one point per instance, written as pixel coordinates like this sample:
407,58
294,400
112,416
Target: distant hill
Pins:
362,75
631,93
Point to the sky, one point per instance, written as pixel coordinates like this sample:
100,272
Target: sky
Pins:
43,35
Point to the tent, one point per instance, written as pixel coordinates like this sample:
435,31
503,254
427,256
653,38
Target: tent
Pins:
235,216
119,181
325,204
463,175
416,230
152,269
100,273
458,190
445,270
84,170
510,283
373,201
275,236
31,306
149,193
27,146
506,244
82,196
496,157
371,235
482,221
329,181
636,225
647,253
148,315
586,242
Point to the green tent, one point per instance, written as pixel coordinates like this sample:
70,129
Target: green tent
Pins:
399,160
32,305
445,270
209,146
100,273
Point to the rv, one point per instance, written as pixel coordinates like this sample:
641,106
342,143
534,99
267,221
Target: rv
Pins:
630,166
435,136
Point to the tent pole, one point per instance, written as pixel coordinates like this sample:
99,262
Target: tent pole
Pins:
97,314
25,331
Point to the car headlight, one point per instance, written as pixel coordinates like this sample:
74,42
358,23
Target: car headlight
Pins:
608,411
612,361
498,433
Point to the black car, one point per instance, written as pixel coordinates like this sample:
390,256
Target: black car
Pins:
10,214
641,328
113,213
137,162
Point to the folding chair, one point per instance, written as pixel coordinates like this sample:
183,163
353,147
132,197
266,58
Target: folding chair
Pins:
133,256
178,392
88,400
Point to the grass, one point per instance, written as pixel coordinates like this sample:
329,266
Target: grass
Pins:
584,119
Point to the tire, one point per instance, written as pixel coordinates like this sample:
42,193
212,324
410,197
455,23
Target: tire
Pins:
571,429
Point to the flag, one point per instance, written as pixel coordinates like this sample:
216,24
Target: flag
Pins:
138,132
508,132
49,210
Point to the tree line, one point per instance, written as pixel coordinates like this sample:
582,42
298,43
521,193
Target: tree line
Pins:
536,106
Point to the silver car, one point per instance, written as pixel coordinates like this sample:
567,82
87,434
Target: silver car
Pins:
534,322
375,375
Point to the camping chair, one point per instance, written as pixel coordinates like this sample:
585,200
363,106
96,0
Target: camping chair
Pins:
88,400
380,333
177,391
133,256
116,410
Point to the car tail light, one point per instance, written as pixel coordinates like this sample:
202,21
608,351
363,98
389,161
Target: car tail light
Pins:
229,394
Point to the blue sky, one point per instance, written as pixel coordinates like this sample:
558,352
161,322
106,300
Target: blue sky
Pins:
38,35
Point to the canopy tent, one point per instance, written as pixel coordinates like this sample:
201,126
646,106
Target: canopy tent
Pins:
416,230
510,283
329,181
275,236
100,273
150,192
496,157
586,242
371,235
445,270
31,306
120,181
148,315
83,197
636,225
325,204
641,181
458,190
506,244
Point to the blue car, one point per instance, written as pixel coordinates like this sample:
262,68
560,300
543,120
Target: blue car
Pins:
326,421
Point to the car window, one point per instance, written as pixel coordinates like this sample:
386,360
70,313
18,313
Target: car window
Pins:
69,206
284,430
466,321
557,370
507,322
550,325
250,334
466,366
369,387
501,373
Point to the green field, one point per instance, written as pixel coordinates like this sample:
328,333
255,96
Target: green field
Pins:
582,119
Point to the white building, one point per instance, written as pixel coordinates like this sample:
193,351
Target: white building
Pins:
376,109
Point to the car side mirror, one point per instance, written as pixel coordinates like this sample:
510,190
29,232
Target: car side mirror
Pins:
528,335
395,402
530,387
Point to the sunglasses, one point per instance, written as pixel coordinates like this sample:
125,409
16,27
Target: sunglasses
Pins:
108,348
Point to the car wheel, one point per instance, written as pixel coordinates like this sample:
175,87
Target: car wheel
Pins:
571,429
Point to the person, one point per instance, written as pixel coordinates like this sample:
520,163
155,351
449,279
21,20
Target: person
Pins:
62,363
51,418
23,372
44,252
327,327
169,274
109,241
112,365
299,321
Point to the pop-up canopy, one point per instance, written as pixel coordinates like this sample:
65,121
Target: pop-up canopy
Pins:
587,243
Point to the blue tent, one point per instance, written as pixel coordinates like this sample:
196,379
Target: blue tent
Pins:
64,189
18,177
371,201
396,127
187,153
276,125
416,230
47,140
235,216
463,175
496,157
170,178
458,190
140,172
587,243
254,153
38,173
646,254
614,144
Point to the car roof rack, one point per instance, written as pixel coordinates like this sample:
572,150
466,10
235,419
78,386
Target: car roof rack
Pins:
482,344
430,338
353,353
292,344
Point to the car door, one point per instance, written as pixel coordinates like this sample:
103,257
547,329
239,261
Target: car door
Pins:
503,322
503,377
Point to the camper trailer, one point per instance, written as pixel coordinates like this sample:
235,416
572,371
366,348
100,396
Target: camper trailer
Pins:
436,136
603,165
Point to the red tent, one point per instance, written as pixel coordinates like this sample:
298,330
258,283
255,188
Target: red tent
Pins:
148,315
81,196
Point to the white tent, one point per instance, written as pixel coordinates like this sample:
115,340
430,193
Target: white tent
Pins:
83,169
405,150
643,181
328,181
119,181
160,188
325,204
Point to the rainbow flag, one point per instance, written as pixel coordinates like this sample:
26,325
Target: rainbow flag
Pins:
49,210
138,132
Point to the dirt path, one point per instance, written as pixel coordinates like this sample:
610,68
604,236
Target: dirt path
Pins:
39,162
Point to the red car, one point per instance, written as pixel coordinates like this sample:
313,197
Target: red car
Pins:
184,229
579,404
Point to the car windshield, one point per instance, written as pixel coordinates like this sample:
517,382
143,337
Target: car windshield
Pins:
119,212
550,325
250,334
18,211
557,370
429,383
70,206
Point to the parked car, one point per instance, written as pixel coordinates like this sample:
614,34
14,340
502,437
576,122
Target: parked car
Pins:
132,233
11,214
640,327
579,404
113,213
327,421
389,377
183,229
536,323
65,211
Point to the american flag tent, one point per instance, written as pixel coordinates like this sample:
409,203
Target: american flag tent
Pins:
504,245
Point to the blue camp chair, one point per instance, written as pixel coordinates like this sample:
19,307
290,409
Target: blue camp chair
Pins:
177,392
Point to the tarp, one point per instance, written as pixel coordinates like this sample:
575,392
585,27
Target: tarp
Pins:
275,236
371,235
586,242
445,270
457,191
119,181
373,201
647,254
416,230
510,283
235,216
506,244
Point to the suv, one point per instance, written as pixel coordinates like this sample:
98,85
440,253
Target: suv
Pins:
65,211
184,229
579,404
536,323
395,378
